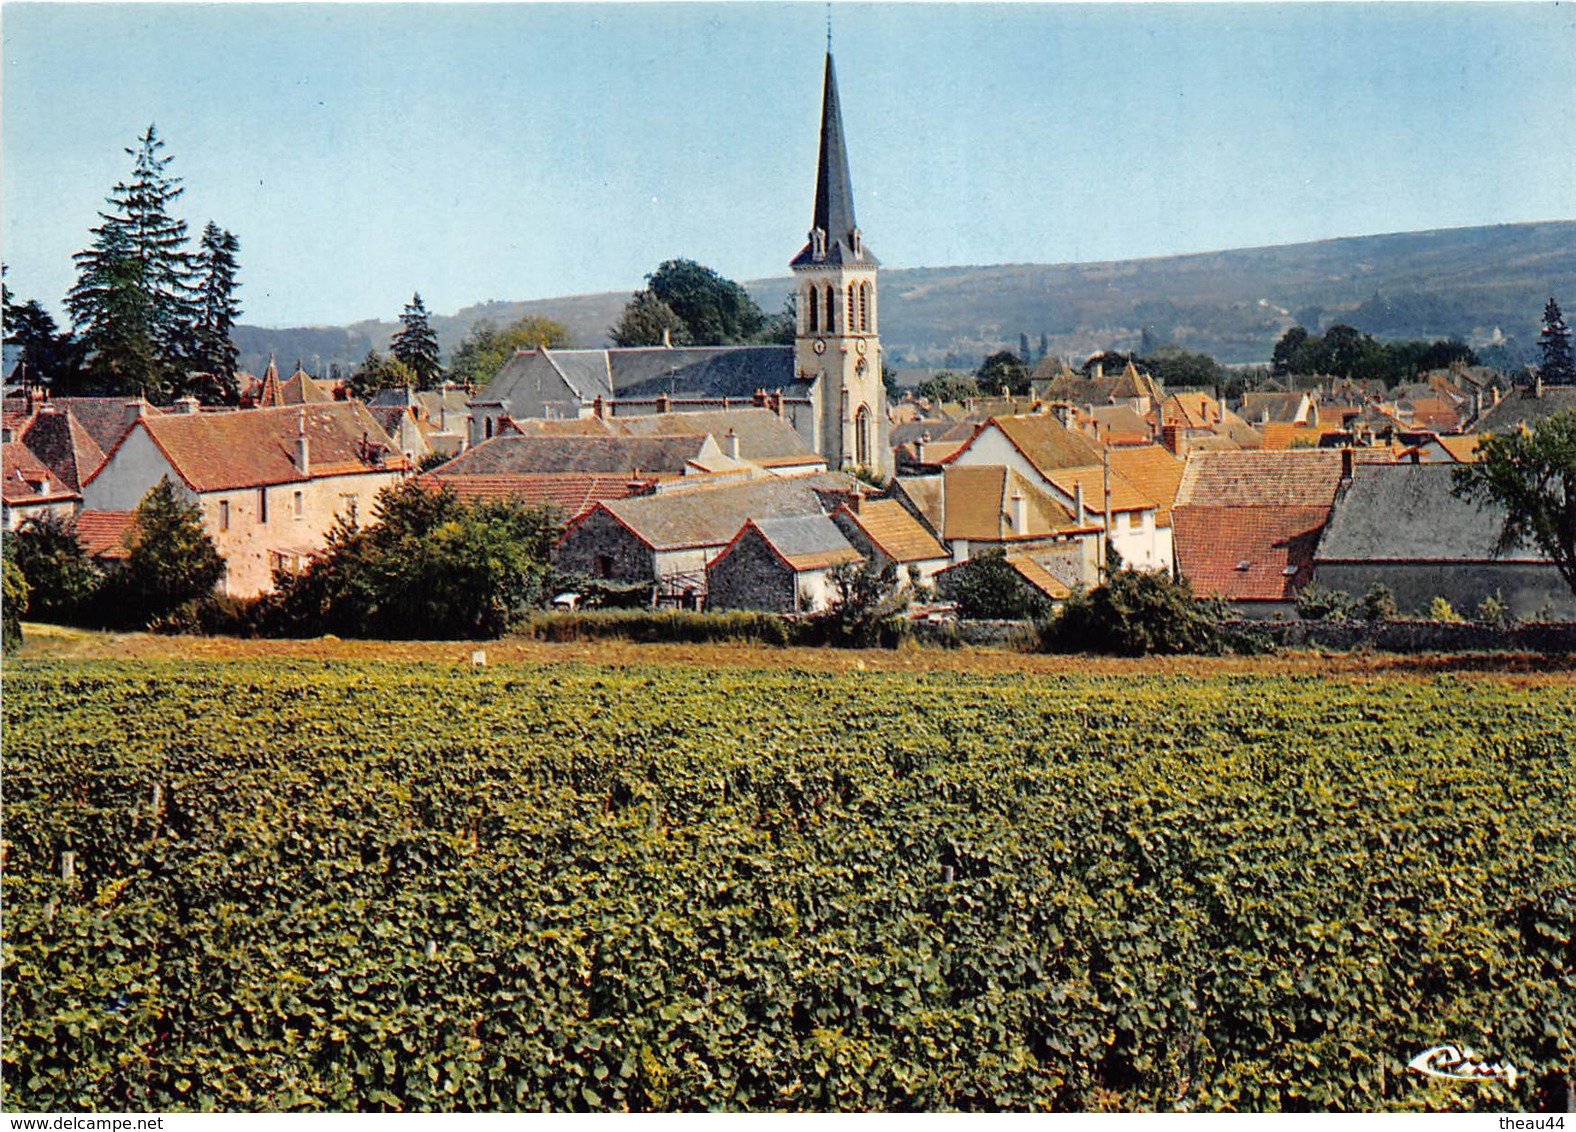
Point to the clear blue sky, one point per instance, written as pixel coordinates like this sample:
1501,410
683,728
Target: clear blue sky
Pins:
361,152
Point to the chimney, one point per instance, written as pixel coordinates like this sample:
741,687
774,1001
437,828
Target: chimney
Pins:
759,400
1020,513
1348,462
1537,385
664,403
856,499
776,405
596,406
1078,503
133,411
1171,438
44,485
1099,371
188,405
730,444
302,462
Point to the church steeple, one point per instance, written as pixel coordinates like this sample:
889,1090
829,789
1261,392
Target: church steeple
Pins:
834,234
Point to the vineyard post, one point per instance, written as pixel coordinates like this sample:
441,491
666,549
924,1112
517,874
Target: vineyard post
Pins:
68,865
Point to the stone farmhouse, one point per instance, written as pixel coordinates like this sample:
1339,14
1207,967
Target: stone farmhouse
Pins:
269,483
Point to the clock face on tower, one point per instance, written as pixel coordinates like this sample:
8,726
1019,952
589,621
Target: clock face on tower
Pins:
820,346
860,345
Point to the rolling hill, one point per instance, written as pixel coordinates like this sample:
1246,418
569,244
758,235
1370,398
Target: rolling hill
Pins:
1484,285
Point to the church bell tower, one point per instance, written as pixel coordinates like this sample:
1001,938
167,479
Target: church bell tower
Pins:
836,345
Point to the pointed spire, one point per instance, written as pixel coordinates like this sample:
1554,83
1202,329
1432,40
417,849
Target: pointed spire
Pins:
834,235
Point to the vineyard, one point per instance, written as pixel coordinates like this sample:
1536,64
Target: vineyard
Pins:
347,884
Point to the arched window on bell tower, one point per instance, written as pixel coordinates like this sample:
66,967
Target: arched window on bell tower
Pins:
853,307
862,436
864,307
831,309
814,313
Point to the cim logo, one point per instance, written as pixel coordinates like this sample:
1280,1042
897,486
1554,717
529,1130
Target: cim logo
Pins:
1461,1065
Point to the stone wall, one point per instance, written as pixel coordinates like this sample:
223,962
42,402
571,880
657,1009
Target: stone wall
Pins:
1419,636
1530,589
750,576
600,540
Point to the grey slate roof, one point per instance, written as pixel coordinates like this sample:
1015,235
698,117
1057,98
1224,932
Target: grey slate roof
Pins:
1521,407
604,455
646,372
834,192
711,371
711,516
1406,513
763,435
805,537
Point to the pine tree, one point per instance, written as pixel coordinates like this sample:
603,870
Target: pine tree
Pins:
214,351
417,346
1554,344
132,301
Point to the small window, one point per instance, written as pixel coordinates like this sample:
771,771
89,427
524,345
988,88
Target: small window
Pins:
1244,566
604,565
224,514
489,428
300,505
262,505
1135,519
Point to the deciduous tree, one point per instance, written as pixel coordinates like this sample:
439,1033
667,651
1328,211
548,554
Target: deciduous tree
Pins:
486,348
1531,473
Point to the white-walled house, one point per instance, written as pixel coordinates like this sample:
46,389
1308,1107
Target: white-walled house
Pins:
269,483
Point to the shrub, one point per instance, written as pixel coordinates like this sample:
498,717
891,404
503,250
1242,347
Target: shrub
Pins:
1492,610
172,563
13,603
1140,612
1441,610
1315,603
867,609
1378,604
60,577
650,626
987,588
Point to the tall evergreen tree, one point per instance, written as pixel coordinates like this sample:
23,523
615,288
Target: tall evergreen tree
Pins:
132,301
1554,346
47,355
213,349
416,345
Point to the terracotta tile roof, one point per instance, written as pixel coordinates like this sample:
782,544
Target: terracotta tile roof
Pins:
24,473
571,493
1153,471
925,493
1191,410
894,531
64,446
977,505
1300,477
1247,553
1281,435
575,426
1125,496
1463,448
1032,570
256,447
105,418
1118,424
302,389
1045,442
1133,384
103,533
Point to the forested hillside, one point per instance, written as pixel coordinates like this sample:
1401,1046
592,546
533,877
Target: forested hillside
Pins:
1484,285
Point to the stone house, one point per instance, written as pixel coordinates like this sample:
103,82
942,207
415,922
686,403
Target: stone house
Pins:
883,530
669,537
269,483
780,564
1400,525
